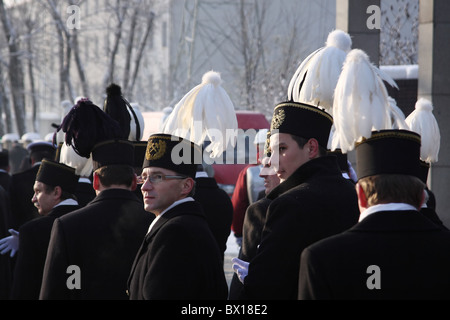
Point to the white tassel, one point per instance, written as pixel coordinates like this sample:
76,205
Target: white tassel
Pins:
397,115
316,77
205,112
423,122
360,101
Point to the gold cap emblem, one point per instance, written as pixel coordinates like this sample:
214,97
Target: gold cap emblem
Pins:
155,149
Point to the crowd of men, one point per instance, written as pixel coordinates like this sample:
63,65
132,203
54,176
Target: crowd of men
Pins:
141,224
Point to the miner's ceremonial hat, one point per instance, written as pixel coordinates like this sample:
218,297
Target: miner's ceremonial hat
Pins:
302,120
54,174
389,152
173,153
113,152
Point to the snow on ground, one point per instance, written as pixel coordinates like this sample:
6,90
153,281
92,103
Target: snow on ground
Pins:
231,252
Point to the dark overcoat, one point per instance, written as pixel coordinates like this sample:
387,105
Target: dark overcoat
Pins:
34,237
254,220
315,202
5,180
84,193
217,207
409,255
179,259
101,239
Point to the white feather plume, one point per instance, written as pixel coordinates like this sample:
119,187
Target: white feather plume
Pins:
316,77
397,115
423,122
205,112
83,166
360,101
133,126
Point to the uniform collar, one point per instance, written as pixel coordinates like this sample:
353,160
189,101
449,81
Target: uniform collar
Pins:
187,199
386,207
320,165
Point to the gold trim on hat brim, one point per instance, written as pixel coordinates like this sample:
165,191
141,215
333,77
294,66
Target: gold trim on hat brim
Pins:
180,140
402,134
306,107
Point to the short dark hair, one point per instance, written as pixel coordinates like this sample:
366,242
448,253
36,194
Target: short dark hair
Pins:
115,174
302,141
388,188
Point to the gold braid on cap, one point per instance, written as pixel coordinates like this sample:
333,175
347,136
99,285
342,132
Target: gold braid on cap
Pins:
278,119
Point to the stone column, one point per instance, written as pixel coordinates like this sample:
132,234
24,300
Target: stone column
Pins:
361,19
434,85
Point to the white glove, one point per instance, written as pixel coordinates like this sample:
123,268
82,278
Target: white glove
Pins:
240,267
10,243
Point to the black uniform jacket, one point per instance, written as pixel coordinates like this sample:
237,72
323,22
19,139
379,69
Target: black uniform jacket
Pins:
179,259
254,220
20,194
101,239
408,253
315,202
5,180
84,193
34,237
217,207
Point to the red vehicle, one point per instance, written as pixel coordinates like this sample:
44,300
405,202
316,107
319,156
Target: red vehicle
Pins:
226,174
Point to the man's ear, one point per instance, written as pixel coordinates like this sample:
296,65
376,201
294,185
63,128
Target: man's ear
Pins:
187,186
313,148
57,191
362,199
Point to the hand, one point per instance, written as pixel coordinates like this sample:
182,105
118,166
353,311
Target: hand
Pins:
240,267
10,243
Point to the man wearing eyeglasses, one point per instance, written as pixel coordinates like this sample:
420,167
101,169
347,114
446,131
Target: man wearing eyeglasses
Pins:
179,257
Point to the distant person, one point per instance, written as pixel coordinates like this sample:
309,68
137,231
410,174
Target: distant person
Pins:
21,187
254,221
248,186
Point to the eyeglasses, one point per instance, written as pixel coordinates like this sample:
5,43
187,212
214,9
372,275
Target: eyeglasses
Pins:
157,178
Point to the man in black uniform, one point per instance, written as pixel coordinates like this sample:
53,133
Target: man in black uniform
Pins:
394,252
101,239
54,190
21,184
254,220
179,257
313,201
